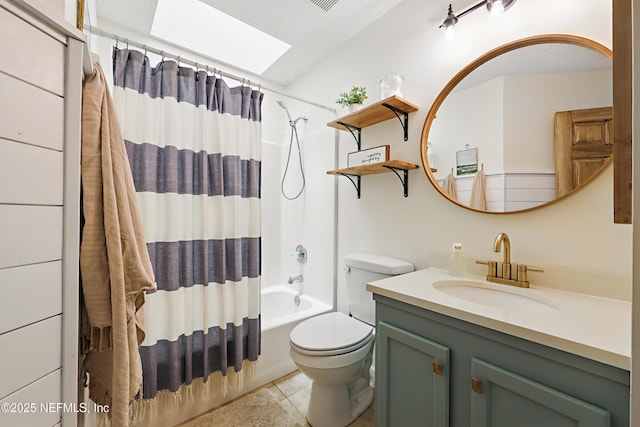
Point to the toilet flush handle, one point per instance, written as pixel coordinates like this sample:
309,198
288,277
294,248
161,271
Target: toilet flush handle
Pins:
347,269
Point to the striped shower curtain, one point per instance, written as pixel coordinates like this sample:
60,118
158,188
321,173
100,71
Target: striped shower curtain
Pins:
194,148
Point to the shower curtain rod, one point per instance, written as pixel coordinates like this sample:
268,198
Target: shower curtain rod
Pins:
92,30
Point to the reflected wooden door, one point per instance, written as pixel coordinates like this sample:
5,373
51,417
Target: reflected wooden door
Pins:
583,144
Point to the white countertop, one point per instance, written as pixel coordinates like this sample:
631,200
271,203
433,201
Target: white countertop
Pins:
592,327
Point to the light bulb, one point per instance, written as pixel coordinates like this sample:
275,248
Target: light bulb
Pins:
497,7
451,31
450,22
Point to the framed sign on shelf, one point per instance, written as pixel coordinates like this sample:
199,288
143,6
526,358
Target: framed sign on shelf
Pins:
368,156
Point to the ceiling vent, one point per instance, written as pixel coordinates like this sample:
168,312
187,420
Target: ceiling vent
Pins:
324,4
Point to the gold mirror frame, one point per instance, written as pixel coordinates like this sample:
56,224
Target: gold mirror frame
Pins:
529,41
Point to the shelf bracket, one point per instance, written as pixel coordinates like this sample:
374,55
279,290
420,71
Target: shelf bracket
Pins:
405,181
356,185
351,129
405,123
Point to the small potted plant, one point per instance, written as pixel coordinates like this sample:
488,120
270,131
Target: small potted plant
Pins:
353,99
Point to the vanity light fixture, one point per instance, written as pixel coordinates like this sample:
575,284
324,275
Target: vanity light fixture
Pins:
450,22
495,7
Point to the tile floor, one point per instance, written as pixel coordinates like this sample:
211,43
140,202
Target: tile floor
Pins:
281,403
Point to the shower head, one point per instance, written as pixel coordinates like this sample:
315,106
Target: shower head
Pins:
284,107
291,122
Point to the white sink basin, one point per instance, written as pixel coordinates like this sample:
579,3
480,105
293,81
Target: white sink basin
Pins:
495,296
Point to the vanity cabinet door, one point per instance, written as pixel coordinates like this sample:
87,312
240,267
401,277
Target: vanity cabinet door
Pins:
500,398
412,379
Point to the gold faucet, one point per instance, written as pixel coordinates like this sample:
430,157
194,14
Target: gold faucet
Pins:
501,239
502,272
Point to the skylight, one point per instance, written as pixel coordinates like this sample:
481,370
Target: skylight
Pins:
201,28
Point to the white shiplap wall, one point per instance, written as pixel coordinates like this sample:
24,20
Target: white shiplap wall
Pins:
508,192
40,83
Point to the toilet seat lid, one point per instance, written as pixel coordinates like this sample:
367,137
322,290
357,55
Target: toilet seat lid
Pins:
331,331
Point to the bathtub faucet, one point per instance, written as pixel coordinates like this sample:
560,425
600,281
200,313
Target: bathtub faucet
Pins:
295,279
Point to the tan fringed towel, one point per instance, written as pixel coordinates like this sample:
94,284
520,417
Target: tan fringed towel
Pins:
114,262
478,192
449,186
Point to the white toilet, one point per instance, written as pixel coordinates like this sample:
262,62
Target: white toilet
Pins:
336,351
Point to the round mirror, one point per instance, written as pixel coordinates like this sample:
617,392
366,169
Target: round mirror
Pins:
522,126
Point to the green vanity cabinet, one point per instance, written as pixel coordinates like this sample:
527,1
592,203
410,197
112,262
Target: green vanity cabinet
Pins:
487,378
501,397
417,367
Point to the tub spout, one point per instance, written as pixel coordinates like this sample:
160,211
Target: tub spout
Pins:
295,279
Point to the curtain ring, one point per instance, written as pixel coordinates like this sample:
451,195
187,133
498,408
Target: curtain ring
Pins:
145,50
178,61
162,56
116,37
127,42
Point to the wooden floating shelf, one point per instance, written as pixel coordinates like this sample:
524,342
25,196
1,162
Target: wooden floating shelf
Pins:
380,111
374,113
383,167
375,168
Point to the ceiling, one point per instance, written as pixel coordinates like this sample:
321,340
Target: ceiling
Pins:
545,58
313,28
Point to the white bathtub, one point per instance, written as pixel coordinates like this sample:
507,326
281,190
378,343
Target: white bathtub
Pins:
279,316
278,308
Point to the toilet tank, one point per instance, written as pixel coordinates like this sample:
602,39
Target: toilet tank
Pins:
363,268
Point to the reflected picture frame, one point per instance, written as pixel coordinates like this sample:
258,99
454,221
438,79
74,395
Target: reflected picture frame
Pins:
467,161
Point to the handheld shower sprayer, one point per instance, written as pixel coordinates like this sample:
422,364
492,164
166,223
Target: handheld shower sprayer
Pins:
291,122
284,107
294,132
